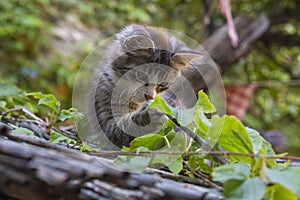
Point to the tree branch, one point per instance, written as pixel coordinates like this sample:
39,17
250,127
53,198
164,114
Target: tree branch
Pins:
218,44
37,172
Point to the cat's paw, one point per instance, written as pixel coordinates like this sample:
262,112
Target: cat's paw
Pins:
150,117
157,118
153,112
143,108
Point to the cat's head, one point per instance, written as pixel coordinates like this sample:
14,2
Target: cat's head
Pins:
154,59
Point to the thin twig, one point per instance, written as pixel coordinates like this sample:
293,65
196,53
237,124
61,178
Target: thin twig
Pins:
206,181
26,112
186,179
66,133
198,139
202,153
34,141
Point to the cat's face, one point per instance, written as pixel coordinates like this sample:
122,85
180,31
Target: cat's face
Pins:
150,83
153,59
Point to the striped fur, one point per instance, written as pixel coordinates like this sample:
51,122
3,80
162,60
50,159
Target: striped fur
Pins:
139,53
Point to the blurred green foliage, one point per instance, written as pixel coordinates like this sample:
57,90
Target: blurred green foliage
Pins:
276,66
37,59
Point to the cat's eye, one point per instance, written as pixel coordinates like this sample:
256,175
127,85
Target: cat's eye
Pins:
163,86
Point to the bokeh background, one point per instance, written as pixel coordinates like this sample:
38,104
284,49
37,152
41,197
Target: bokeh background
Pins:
43,43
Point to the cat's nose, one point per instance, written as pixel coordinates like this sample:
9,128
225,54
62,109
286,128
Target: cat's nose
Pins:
148,97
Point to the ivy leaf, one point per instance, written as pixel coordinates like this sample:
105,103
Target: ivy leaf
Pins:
204,104
150,141
215,132
237,171
56,137
201,126
185,117
253,188
288,177
259,142
142,149
3,105
24,131
198,162
48,100
279,192
161,105
175,166
237,184
261,146
85,147
133,163
232,136
256,140
8,89
173,162
176,143
168,126
71,113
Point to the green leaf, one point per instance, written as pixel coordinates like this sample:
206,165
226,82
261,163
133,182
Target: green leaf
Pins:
261,146
198,162
176,166
8,89
215,132
150,141
71,113
168,126
237,171
133,163
230,185
142,149
278,192
23,131
161,105
232,136
268,150
201,126
85,147
13,97
171,142
256,139
176,143
3,105
56,137
173,162
204,104
250,189
258,168
259,142
185,117
288,177
36,95
48,100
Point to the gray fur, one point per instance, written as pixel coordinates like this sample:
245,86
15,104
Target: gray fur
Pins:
118,97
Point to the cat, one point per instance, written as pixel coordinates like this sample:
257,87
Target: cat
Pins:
141,62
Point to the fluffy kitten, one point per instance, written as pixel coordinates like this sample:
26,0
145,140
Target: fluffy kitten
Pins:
141,62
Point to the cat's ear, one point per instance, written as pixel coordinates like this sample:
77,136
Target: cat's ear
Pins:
138,42
181,60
